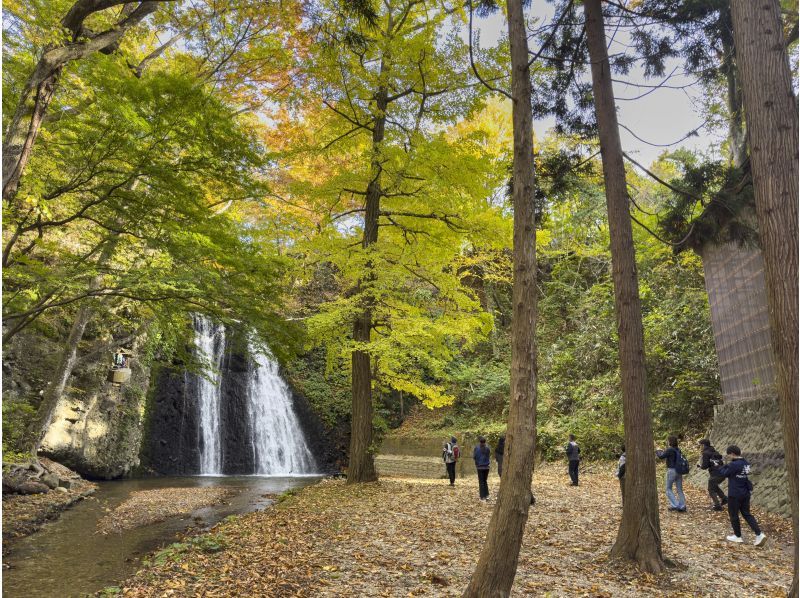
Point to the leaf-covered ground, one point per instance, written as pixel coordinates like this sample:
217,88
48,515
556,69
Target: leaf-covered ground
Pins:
422,538
151,506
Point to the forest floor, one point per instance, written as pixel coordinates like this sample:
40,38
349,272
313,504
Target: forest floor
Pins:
416,537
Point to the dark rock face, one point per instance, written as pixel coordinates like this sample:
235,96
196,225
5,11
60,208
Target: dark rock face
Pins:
237,445
172,428
172,445
328,454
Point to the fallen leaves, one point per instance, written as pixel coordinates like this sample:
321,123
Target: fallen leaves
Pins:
423,538
151,506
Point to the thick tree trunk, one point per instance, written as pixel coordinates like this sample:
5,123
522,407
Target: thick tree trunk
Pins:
362,462
639,535
771,115
66,364
497,565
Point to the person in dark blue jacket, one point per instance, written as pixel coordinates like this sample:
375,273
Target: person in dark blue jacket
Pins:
482,455
739,489
671,454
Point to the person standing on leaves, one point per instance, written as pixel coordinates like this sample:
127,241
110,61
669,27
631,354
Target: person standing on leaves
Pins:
574,456
677,467
450,455
739,490
712,461
498,454
482,456
621,473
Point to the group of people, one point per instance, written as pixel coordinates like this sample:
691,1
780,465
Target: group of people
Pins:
482,455
735,469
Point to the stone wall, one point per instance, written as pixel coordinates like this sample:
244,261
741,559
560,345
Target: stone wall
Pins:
755,427
421,467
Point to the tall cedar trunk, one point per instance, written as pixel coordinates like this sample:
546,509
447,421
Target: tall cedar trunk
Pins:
639,536
362,463
30,111
771,113
497,565
66,364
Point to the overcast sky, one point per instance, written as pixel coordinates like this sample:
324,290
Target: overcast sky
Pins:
662,117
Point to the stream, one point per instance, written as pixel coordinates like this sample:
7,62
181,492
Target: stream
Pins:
68,558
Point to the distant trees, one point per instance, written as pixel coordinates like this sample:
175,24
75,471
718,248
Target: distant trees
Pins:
390,194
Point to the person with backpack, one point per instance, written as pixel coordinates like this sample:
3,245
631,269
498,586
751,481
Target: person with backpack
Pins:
498,454
482,456
621,473
677,467
574,457
739,490
450,455
712,461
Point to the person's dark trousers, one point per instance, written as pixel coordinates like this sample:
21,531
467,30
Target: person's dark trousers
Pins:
483,485
622,488
451,472
499,466
741,505
573,472
715,492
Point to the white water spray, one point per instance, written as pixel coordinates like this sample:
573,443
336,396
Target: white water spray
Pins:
279,446
209,340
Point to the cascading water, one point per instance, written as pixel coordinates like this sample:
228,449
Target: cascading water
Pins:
279,447
209,340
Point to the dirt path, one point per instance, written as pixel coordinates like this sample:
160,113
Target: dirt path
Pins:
421,537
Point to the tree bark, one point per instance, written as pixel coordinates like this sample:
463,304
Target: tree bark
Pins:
639,535
66,364
362,462
32,106
497,565
771,116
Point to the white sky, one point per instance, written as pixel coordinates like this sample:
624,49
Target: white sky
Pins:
663,116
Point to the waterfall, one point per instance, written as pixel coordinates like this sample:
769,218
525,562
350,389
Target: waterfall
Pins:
209,341
279,446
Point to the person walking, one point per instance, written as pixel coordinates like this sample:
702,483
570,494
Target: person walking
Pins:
450,454
677,467
621,473
498,454
574,456
482,456
739,491
711,460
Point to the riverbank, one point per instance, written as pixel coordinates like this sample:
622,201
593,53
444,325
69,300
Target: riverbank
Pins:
24,514
413,537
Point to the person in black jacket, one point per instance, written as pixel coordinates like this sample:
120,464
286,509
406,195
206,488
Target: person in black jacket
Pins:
712,461
739,490
671,454
499,450
574,456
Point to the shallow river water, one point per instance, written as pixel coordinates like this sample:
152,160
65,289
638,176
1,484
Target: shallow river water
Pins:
69,558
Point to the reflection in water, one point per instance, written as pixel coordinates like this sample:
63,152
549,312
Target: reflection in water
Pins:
68,558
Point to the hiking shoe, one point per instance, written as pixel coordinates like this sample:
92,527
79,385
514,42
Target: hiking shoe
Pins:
724,501
716,508
760,539
732,538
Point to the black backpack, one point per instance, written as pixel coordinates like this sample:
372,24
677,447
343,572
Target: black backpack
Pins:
681,464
